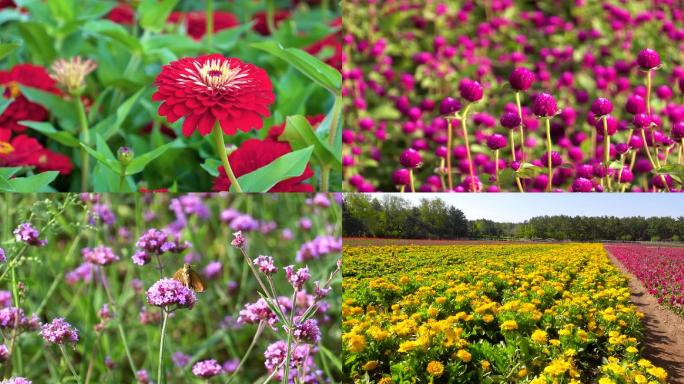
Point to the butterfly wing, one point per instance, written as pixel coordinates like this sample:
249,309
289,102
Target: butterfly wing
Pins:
182,277
196,282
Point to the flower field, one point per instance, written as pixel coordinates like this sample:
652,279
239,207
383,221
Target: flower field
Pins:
171,95
163,288
513,95
523,313
660,270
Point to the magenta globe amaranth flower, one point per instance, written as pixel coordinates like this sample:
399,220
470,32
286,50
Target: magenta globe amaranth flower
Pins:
521,79
544,105
59,332
635,104
678,130
582,185
556,158
411,158
470,90
207,368
601,107
510,120
401,177
641,121
496,141
648,59
167,292
449,106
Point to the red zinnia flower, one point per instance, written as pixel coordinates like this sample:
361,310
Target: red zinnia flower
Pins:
275,131
122,14
26,151
254,154
53,161
261,23
333,41
214,88
21,108
196,22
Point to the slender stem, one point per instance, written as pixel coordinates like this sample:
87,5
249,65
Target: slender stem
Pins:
648,110
290,329
413,189
653,164
85,137
210,23
679,153
449,154
522,128
270,16
105,284
68,363
335,119
160,378
325,178
402,188
221,150
548,155
122,178
464,119
606,150
517,179
496,167
441,174
260,329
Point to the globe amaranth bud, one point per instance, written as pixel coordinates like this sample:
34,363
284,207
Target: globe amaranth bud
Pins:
125,155
411,158
510,120
521,79
544,105
496,141
449,106
601,107
648,59
470,90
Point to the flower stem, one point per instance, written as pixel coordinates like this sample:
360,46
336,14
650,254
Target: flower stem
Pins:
260,329
449,154
548,157
270,16
85,137
221,150
522,128
441,174
160,378
606,150
679,155
210,23
464,119
122,178
496,167
108,292
413,189
325,178
68,363
290,329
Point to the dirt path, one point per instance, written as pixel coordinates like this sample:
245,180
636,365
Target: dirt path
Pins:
664,330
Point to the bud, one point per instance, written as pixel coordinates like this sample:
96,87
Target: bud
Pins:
125,155
71,74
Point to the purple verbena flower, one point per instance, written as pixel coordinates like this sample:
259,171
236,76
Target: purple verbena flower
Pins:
319,247
59,332
180,359
239,240
207,368
28,234
307,331
167,292
265,264
213,269
99,255
299,278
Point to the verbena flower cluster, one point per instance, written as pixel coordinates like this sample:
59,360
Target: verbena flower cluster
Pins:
169,292
58,331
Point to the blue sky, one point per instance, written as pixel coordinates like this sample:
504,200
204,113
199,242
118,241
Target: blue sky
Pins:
517,207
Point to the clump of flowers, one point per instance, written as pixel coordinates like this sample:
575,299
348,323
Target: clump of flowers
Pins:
207,369
58,331
28,234
170,293
99,255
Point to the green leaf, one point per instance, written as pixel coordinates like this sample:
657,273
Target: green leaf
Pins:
38,41
107,127
140,162
5,186
153,13
318,71
65,111
115,32
177,43
323,130
211,166
528,171
48,130
4,103
35,183
287,166
226,39
103,155
6,49
299,133
8,172
616,165
62,10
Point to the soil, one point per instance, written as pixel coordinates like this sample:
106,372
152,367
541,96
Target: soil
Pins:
663,341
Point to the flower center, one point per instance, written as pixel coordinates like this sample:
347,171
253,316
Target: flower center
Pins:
6,148
216,75
13,87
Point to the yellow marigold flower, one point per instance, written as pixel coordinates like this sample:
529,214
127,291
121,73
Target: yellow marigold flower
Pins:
435,368
371,365
643,363
377,334
557,367
509,325
522,373
658,373
433,312
640,379
632,349
488,318
486,366
554,342
356,343
606,380
539,336
404,280
385,380
441,300
463,355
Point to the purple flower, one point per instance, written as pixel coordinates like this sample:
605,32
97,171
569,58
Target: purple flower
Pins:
5,299
301,361
253,313
321,293
105,313
239,241
601,107
449,106
521,79
141,258
228,215
496,141
307,332
648,59
180,359
244,223
319,247
207,368
175,245
411,158
16,380
109,363
99,255
556,158
510,120
305,224
470,90
265,264
286,234
582,185
102,212
3,258
59,332
321,200
678,130
4,353
83,272
544,105
142,376
641,121
152,241
166,292
213,269
299,278
635,104
230,366
12,317
26,233
401,177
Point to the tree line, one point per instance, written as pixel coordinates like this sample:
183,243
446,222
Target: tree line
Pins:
392,216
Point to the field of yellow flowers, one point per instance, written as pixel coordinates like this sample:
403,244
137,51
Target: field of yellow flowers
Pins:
514,313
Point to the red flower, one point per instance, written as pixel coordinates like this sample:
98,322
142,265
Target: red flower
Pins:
261,25
21,108
214,88
254,154
52,161
122,14
277,130
333,41
26,151
196,22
